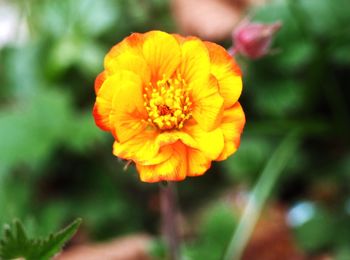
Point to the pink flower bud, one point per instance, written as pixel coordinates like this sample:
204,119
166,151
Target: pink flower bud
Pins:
253,40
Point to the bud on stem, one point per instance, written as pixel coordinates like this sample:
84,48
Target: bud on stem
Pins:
253,40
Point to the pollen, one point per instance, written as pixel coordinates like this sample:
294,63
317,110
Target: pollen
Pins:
168,103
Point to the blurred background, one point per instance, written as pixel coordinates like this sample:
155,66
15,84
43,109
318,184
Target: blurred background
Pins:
56,165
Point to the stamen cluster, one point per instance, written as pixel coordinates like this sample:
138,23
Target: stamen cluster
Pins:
168,103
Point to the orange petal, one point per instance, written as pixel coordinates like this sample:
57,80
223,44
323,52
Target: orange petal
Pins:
211,143
227,72
179,38
99,81
232,126
103,105
207,104
101,113
195,63
198,163
173,169
162,53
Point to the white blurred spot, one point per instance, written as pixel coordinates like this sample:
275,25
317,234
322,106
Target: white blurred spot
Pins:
300,214
13,28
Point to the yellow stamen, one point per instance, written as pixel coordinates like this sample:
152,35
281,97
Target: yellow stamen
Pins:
168,103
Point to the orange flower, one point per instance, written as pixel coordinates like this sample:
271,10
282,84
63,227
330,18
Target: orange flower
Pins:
170,103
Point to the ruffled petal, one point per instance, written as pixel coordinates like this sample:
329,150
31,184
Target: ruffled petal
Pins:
119,105
207,104
106,90
179,38
172,169
195,63
171,137
129,115
149,146
198,163
232,126
130,45
130,62
227,72
211,143
162,53
99,81
142,148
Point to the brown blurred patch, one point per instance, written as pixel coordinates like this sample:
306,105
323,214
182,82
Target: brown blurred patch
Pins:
133,247
272,239
210,19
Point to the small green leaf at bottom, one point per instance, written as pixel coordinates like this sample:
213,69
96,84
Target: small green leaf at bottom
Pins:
16,244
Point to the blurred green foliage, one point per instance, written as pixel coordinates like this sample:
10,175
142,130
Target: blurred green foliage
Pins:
215,233
303,85
56,165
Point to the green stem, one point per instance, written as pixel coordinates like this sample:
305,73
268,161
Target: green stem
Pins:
260,194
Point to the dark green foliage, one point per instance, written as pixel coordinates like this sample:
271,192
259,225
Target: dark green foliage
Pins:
16,244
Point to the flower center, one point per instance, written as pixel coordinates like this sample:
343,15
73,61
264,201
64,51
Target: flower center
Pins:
168,103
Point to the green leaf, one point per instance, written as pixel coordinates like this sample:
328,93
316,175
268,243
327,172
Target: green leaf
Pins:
15,242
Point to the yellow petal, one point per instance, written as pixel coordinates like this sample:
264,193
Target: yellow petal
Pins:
198,163
149,146
119,105
171,137
162,54
195,63
207,105
130,62
227,72
173,169
142,149
129,115
211,143
130,45
105,91
232,126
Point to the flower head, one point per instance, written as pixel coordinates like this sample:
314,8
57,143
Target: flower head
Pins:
253,40
170,103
